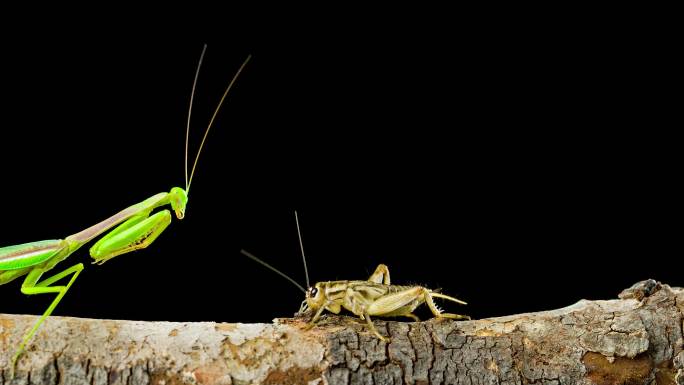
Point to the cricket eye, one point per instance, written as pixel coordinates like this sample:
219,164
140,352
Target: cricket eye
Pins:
314,291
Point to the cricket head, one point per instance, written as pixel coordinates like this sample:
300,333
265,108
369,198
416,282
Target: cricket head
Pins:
179,199
315,299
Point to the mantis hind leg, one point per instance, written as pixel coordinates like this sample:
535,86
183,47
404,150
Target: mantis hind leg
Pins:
32,287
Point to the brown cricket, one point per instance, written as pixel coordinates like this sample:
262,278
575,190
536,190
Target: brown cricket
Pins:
373,297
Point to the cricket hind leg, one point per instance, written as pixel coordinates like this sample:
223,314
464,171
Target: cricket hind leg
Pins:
436,311
380,275
405,313
398,304
31,286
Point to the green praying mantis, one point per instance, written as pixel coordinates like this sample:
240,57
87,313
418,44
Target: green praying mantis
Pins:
133,228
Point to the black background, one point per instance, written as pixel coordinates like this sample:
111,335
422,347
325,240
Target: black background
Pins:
514,170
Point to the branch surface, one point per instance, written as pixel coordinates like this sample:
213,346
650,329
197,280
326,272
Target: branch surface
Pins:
636,339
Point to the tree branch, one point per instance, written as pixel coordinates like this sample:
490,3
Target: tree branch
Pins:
636,339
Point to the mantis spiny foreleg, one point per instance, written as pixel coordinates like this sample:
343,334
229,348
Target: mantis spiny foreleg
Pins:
136,233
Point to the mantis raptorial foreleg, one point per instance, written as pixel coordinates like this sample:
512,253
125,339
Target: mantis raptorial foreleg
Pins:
136,233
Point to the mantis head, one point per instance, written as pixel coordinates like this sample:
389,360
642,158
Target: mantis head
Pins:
179,199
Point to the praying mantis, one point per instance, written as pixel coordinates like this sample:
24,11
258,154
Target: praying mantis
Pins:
133,228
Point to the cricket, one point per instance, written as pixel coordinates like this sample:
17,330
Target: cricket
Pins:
133,228
373,297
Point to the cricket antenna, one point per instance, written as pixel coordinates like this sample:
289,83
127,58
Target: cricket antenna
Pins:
301,247
249,255
211,122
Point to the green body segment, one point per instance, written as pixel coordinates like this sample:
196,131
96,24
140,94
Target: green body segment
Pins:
136,233
29,254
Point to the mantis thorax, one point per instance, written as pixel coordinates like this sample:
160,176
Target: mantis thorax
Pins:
178,199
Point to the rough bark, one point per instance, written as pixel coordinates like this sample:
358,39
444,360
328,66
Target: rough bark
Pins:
636,339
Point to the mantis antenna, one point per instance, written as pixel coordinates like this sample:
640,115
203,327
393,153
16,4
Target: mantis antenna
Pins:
211,122
245,253
301,247
187,130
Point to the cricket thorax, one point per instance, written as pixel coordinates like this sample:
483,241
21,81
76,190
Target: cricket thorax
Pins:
337,290
355,296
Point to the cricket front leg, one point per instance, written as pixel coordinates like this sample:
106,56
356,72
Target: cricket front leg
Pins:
315,318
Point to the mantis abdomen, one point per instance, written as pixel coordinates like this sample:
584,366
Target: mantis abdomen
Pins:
28,254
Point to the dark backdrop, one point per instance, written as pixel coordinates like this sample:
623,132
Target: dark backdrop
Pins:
517,172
